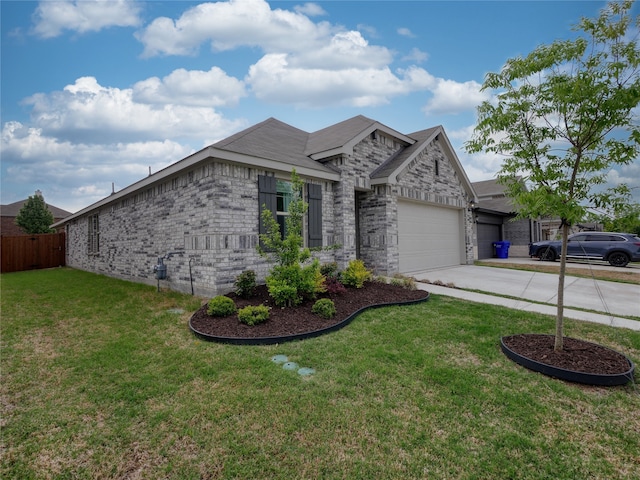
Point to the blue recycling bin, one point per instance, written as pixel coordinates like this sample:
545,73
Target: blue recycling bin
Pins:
502,249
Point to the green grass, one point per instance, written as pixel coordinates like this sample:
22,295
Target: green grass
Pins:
100,380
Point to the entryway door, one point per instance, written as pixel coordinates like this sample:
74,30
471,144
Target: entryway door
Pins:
488,234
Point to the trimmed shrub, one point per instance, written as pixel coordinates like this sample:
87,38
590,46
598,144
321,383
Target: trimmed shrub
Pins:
245,284
324,307
221,306
329,270
283,292
356,274
253,314
319,282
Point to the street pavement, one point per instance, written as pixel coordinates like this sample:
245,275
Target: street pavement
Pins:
612,300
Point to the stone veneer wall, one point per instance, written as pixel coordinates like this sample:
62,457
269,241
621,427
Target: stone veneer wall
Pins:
209,213
379,204
374,215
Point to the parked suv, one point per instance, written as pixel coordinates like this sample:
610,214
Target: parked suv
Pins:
616,248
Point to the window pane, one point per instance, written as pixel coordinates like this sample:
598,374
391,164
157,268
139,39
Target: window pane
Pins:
284,194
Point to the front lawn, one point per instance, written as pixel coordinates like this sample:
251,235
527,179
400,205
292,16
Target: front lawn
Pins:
102,379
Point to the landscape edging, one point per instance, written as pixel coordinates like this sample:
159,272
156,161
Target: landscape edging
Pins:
298,336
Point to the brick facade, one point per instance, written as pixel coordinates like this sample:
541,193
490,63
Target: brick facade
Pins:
209,213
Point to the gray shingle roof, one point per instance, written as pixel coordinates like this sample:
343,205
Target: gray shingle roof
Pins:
338,135
273,140
491,196
12,210
393,163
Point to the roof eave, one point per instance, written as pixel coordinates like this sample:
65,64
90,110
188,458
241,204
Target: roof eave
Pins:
194,159
392,178
347,148
321,173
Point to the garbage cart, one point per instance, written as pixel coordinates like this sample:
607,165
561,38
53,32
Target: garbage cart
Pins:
502,249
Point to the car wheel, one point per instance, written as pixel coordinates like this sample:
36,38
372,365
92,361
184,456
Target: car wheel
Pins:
618,259
547,255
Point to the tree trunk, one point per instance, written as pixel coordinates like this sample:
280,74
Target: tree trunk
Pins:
560,313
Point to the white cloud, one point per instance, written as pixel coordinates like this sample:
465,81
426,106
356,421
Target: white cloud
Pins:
52,18
450,97
88,112
232,24
416,55
628,175
370,30
310,9
191,87
86,136
343,50
405,32
30,157
272,79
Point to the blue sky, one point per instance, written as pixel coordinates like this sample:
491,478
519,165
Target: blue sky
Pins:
96,93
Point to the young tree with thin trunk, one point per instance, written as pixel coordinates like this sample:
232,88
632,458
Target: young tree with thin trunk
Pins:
564,115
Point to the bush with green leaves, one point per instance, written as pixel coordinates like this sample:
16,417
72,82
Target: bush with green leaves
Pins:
245,284
324,307
221,306
329,270
290,280
356,274
253,314
289,285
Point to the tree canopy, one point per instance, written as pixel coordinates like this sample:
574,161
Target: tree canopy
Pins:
562,118
35,217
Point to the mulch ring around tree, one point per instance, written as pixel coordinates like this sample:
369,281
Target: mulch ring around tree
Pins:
577,355
299,319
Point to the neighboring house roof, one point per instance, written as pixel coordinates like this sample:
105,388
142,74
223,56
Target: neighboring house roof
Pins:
492,196
275,145
9,212
12,210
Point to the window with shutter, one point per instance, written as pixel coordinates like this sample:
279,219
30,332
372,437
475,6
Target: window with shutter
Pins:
93,244
277,195
266,196
314,234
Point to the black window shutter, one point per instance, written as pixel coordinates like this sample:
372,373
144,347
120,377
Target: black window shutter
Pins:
315,215
266,196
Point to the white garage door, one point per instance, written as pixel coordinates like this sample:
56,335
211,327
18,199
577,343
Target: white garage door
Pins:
428,236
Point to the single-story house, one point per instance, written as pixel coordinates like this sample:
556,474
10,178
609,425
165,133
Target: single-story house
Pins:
9,212
495,222
400,202
551,228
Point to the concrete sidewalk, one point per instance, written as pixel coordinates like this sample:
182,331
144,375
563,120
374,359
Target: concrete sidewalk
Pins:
611,299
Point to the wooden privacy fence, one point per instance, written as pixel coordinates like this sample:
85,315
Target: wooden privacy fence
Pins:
31,252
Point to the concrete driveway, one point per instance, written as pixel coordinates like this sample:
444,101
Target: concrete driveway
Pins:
611,299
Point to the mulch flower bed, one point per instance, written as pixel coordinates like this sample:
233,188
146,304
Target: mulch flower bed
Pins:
576,355
297,320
